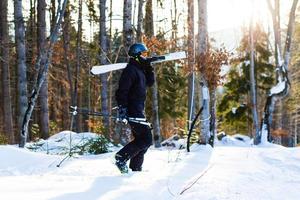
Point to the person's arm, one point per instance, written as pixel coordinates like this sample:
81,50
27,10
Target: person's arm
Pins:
125,83
149,73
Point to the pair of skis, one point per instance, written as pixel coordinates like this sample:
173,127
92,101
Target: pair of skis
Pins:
74,110
101,69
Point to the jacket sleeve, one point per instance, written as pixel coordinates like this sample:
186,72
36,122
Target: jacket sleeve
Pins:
125,83
149,78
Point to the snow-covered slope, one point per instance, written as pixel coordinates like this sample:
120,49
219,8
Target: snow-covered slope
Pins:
223,172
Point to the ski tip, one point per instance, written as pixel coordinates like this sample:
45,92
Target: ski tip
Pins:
92,72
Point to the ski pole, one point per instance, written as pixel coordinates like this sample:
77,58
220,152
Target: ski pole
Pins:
75,110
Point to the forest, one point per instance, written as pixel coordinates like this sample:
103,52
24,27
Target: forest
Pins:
48,47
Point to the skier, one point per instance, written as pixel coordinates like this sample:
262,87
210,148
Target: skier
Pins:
131,96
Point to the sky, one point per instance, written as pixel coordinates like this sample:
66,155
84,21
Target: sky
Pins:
234,169
223,15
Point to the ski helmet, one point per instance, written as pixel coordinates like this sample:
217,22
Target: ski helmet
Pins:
137,49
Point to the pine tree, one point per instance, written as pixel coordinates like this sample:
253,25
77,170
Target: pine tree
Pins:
234,107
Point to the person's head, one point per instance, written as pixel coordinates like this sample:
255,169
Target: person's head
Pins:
137,50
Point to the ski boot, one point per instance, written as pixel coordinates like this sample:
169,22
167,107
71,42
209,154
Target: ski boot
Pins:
121,164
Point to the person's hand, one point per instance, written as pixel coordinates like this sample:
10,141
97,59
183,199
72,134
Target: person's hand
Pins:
146,63
148,68
122,114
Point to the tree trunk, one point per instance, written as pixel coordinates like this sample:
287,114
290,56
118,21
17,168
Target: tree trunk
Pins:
155,116
202,48
213,121
275,12
52,14
149,32
282,79
66,43
42,73
103,60
149,26
31,54
191,63
31,40
174,21
43,97
78,121
127,25
139,32
4,62
253,82
21,61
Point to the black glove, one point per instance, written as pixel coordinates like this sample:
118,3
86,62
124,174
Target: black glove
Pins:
146,63
122,114
148,68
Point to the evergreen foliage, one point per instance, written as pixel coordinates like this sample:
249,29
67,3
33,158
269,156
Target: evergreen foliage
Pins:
234,107
98,145
172,86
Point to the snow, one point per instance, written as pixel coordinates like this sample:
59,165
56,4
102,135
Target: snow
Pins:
234,169
233,110
264,134
247,62
279,87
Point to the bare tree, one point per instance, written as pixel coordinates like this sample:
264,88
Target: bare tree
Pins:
191,61
52,13
252,80
202,49
140,21
66,44
78,121
4,62
127,25
149,32
43,96
281,89
148,23
103,60
42,72
21,60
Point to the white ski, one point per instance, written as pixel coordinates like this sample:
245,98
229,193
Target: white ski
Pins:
101,69
107,68
172,56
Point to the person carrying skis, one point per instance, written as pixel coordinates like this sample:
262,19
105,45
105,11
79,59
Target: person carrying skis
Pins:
131,96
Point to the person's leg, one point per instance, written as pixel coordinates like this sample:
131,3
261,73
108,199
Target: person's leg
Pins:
143,138
128,151
137,147
136,162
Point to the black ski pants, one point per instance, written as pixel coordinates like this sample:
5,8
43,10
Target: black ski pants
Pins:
136,149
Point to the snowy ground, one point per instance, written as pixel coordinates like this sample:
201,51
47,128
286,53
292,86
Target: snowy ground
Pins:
232,170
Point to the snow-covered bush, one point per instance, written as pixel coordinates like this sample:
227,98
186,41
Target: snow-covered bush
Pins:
175,142
75,143
236,140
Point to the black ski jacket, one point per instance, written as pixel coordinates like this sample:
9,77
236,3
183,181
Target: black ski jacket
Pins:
132,87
